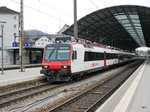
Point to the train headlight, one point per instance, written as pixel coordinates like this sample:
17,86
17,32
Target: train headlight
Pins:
45,66
65,67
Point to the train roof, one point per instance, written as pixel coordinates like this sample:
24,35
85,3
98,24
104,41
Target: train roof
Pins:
71,40
107,49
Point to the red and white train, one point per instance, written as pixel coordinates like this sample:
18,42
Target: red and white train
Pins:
64,62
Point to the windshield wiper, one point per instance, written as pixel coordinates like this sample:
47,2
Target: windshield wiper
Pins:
50,54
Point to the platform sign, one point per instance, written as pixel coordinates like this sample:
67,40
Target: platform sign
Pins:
29,44
15,44
25,44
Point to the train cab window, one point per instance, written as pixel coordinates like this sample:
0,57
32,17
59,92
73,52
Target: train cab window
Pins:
57,53
74,55
50,54
63,53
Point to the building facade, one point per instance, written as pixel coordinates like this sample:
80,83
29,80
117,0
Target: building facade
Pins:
32,51
11,28
42,41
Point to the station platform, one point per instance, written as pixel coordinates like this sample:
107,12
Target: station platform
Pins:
12,77
10,67
133,95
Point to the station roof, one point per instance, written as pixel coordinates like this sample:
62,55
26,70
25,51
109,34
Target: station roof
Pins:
126,27
5,10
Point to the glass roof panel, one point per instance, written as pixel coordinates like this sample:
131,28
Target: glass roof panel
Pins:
132,25
127,25
124,21
133,34
137,24
121,17
136,21
137,27
139,31
129,28
134,16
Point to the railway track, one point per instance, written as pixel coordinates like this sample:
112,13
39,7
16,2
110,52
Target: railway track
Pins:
12,97
89,100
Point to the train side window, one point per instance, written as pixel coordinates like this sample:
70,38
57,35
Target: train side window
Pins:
74,55
93,56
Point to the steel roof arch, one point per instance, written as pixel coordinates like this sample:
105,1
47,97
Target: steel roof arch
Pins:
105,26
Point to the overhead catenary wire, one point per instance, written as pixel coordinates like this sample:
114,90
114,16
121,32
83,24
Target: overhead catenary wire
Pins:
102,3
42,12
55,9
93,4
36,27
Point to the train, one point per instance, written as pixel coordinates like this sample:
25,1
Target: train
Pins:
68,61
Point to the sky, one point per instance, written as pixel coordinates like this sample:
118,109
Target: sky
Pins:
50,15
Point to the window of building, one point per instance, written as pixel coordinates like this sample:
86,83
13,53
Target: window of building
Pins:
15,17
15,26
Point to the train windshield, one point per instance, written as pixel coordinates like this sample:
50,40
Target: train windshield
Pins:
57,54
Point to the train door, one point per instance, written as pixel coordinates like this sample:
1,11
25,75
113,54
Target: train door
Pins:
77,60
104,60
74,66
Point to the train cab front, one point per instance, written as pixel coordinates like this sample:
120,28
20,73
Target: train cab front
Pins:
56,64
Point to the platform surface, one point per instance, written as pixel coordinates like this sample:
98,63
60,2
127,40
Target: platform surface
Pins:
9,67
133,95
15,76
